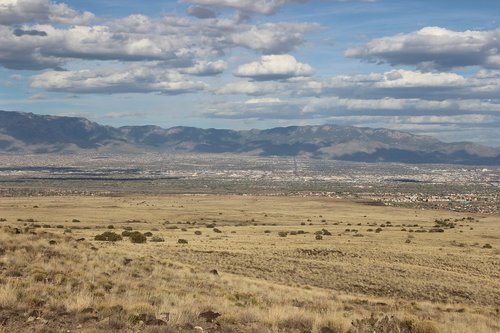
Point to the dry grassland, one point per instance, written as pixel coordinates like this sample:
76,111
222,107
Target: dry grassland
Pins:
284,264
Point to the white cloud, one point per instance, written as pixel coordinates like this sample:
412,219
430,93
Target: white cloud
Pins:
274,67
14,12
265,7
434,48
272,38
129,80
206,68
178,42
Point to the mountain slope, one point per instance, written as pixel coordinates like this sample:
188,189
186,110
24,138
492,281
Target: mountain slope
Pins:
29,133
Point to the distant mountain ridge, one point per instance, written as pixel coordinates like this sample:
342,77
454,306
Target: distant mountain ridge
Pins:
30,133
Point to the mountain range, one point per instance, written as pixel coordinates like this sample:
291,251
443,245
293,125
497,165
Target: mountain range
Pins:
22,133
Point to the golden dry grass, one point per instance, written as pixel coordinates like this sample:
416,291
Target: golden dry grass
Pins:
446,282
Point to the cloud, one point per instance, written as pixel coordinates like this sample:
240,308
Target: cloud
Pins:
177,42
434,48
201,12
274,67
20,32
38,97
14,12
272,38
265,7
107,81
318,108
485,84
250,88
206,68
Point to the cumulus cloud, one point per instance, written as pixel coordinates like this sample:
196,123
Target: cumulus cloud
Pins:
395,83
434,48
201,12
14,12
107,81
178,42
272,38
206,68
265,7
274,67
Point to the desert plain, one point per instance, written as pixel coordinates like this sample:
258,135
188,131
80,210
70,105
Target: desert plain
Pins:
244,263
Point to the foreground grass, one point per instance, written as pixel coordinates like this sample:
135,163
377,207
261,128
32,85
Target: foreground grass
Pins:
53,280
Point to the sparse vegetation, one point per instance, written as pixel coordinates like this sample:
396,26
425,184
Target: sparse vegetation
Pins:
263,283
108,236
137,237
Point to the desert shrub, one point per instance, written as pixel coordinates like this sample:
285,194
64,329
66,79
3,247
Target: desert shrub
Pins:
137,237
75,220
393,324
126,233
182,241
108,236
217,231
300,232
198,232
378,230
111,226
148,234
267,231
128,228
184,229
487,246
319,237
157,239
326,232
3,219
211,225
282,233
293,233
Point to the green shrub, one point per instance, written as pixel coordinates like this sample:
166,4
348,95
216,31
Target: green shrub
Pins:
137,237
108,236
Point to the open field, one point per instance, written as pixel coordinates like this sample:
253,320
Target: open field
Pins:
284,264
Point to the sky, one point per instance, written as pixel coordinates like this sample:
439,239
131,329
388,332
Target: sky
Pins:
425,67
